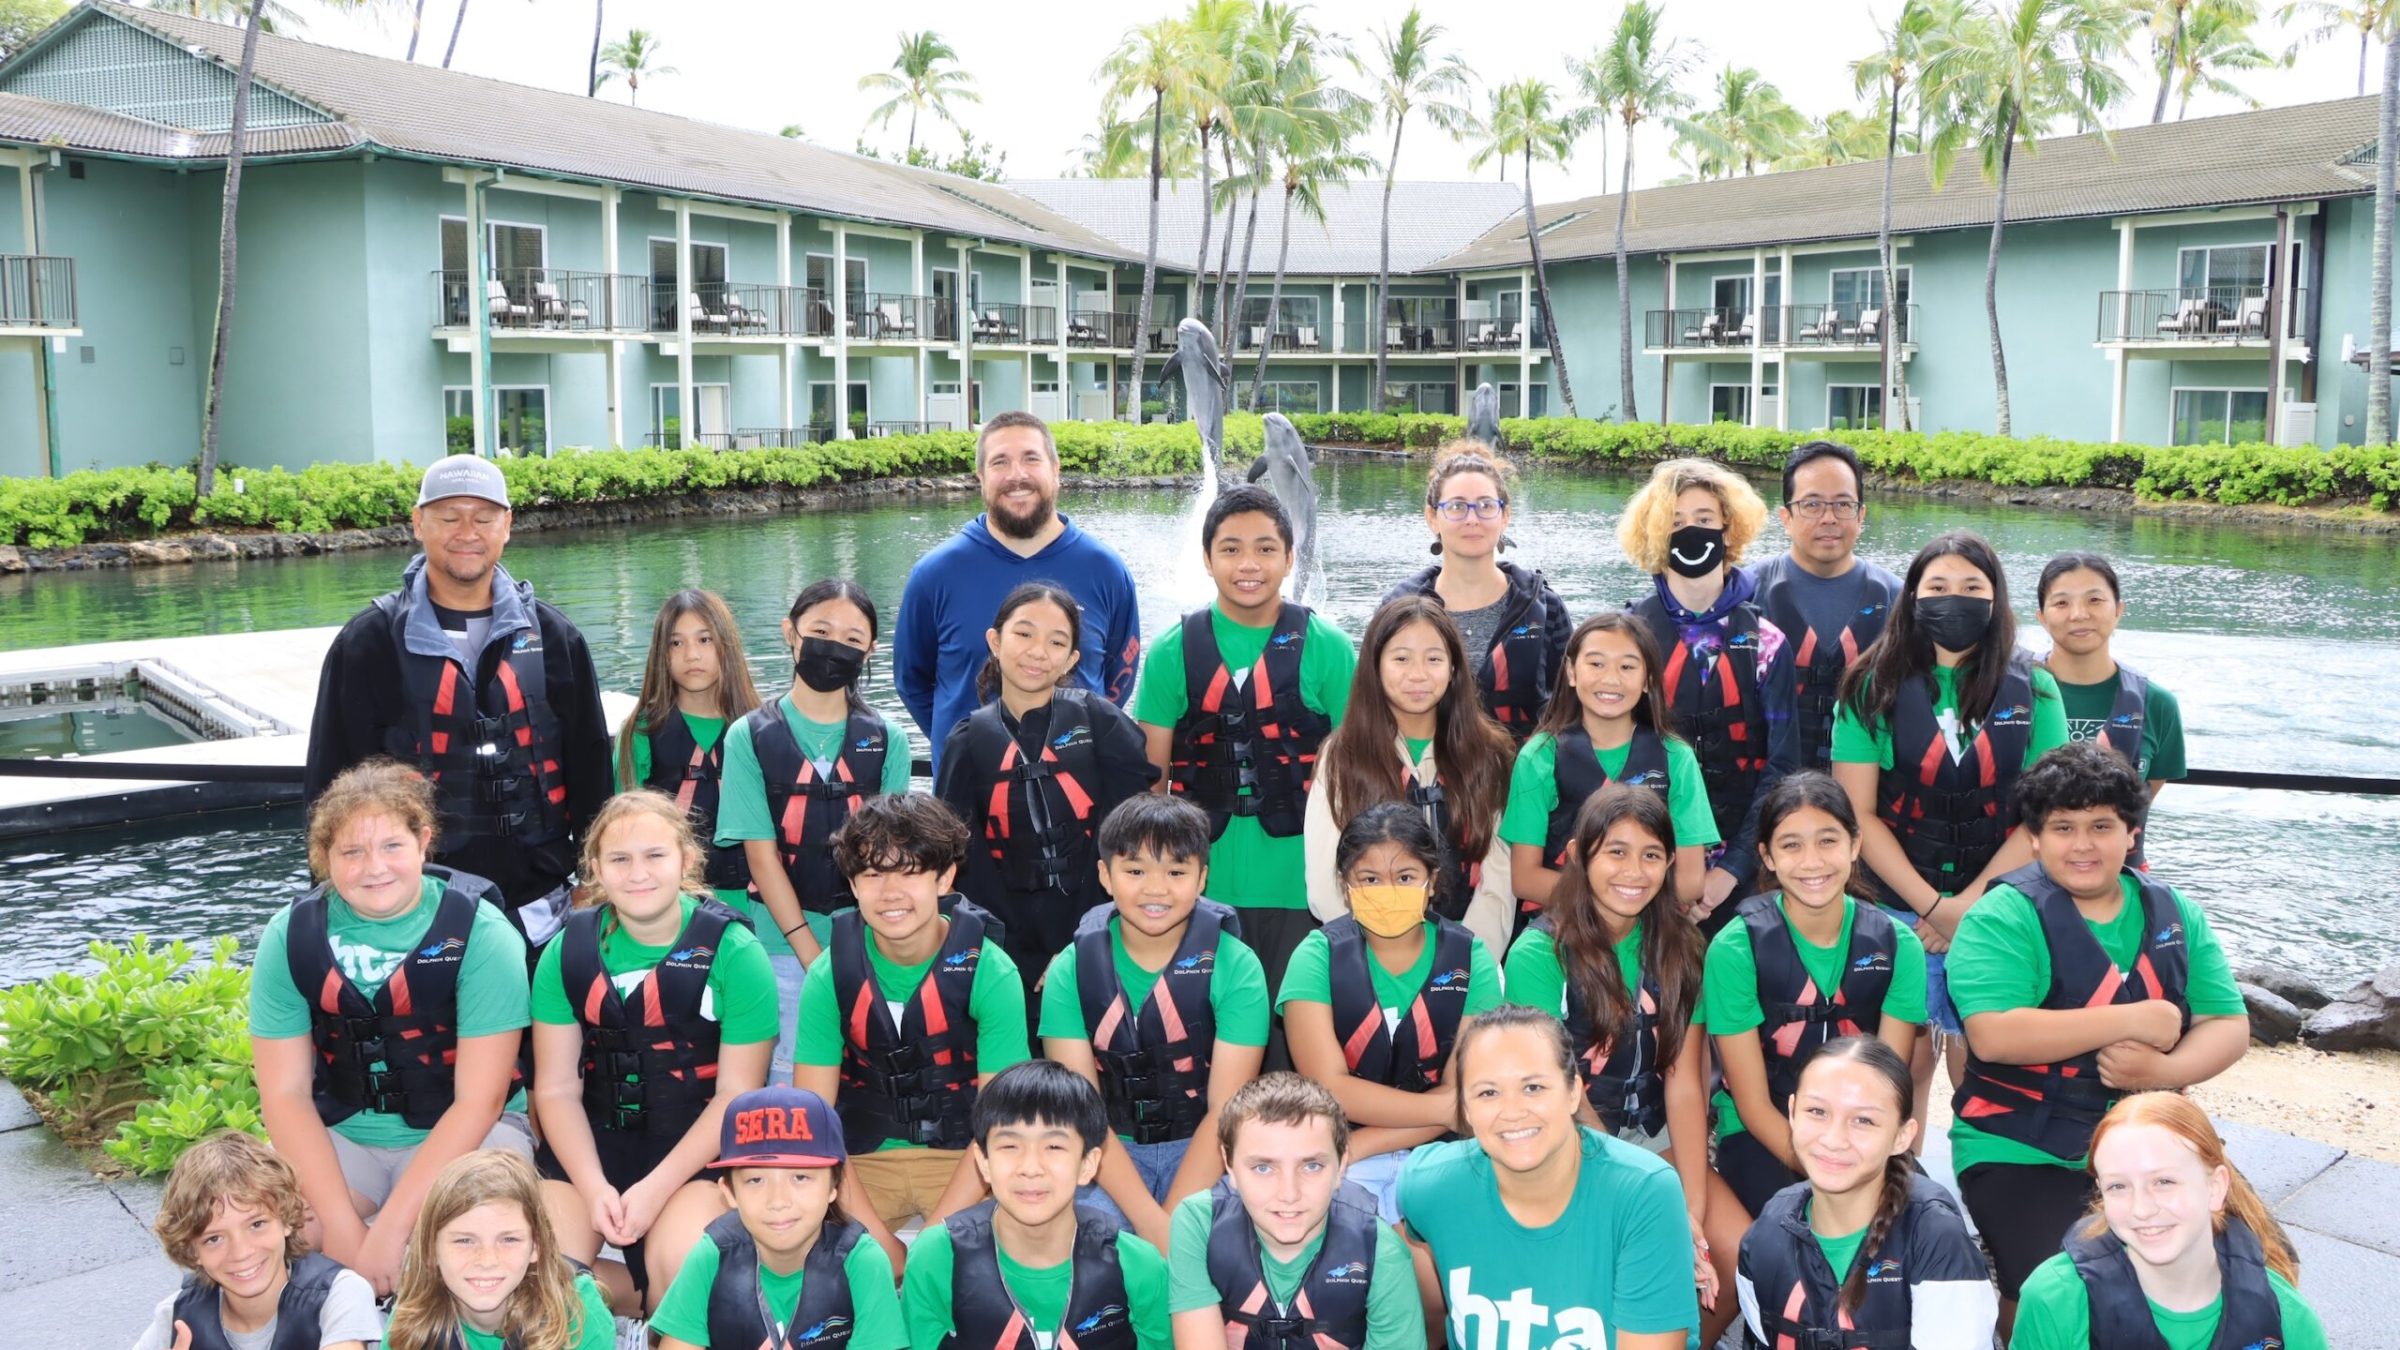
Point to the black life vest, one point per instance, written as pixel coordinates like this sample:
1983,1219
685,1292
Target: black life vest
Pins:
2055,1107
1622,1076
1518,670
1725,717
1577,772
807,807
1800,1016
410,1027
1955,811
2248,1318
1799,1293
649,1063
1329,1309
1820,660
490,745
694,777
2122,732
299,1311
1412,1061
914,1081
1153,1061
1459,869
1039,823
1262,736
738,1315
983,1316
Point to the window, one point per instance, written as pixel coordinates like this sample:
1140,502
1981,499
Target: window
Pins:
1849,407
1299,311
712,428
820,278
2219,416
820,403
708,279
1283,396
2226,274
1421,396
522,426
517,256
1862,287
1729,403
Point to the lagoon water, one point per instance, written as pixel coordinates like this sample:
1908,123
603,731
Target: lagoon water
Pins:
2283,646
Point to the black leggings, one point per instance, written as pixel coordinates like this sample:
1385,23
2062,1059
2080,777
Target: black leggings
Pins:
1273,934
2023,1212
1754,1173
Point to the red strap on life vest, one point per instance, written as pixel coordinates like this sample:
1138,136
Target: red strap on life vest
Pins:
595,998
1214,699
329,996
1361,1037
1421,1017
999,813
1014,1332
1110,1021
654,1013
691,779
937,1017
445,702
516,702
1500,669
859,1008
402,1004
1672,677
1784,1340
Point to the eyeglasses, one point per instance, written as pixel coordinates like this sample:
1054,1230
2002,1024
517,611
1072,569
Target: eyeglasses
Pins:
1818,508
1482,508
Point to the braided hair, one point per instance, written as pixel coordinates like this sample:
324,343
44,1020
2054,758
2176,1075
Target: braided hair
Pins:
1899,1175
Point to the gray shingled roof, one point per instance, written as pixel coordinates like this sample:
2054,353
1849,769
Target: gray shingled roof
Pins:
2280,154
453,116
1429,221
71,126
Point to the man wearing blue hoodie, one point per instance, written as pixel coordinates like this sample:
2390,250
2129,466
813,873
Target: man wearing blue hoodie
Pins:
954,591
487,690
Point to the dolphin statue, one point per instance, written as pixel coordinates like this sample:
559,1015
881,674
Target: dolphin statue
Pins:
1288,474
1208,383
1483,415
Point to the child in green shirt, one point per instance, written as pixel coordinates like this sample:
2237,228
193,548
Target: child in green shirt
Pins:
695,683
484,1267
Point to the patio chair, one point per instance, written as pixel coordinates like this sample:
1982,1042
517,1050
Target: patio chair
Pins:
2184,322
1707,333
1081,334
1394,337
1870,327
2251,319
1743,335
1486,336
705,319
740,318
1506,337
1304,337
988,327
505,311
890,322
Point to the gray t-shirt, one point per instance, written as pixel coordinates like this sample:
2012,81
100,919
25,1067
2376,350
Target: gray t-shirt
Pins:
348,1315
466,631
1476,628
1797,600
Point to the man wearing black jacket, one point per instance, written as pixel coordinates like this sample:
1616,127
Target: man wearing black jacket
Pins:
465,674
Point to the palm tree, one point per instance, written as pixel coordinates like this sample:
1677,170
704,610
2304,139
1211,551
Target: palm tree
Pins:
1119,150
2215,40
1480,131
221,345
1527,122
1898,67
2370,19
1750,122
1149,59
1408,73
1218,29
631,57
923,83
416,29
273,16
591,75
1635,77
1315,151
2379,303
1839,137
2008,73
457,22
1276,82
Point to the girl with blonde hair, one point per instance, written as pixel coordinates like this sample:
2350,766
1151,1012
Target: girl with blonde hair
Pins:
484,1270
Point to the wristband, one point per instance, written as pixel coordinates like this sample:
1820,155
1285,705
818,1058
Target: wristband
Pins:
802,924
1930,910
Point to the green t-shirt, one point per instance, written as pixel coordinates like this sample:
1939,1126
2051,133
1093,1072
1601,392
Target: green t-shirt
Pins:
1395,1317
2000,961
2088,707
996,1002
491,983
742,793
1246,866
1537,978
595,1325
1854,742
705,731
740,997
1533,792
1309,977
1237,990
1618,1259
1729,989
874,1306
1840,1251
2055,1313
1040,1292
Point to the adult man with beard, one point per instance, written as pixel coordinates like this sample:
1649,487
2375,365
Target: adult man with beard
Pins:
488,691
955,589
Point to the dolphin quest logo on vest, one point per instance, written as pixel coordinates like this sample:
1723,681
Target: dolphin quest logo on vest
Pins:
1101,1317
1511,1323
1283,639
1349,1272
962,960
2169,936
1872,961
1883,1271
2015,714
528,641
1449,981
828,1329
1521,630
446,951
691,955
1071,736
1197,963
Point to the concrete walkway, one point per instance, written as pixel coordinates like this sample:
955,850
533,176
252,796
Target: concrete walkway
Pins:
82,1270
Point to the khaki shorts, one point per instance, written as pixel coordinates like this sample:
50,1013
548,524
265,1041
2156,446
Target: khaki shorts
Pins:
903,1181
372,1172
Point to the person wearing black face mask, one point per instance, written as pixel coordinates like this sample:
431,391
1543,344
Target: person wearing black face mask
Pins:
794,770
1727,670
1934,723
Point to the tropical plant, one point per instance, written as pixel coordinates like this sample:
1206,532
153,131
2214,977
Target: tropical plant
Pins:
1275,82
972,159
2007,73
1120,149
1527,123
633,58
2370,19
1897,68
1409,72
1839,137
1750,122
792,131
924,77
220,347
1635,77
2214,39
1314,151
272,16
1218,30
1149,61
20,20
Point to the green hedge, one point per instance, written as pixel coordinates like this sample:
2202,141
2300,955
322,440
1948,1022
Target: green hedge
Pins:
120,504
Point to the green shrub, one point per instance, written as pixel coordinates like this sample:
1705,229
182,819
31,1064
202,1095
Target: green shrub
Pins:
140,1057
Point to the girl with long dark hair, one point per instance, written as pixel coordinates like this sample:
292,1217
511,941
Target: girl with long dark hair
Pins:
695,683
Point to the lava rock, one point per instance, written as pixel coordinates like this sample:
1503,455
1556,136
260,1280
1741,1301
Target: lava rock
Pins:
12,561
2287,984
2368,1021
2273,1019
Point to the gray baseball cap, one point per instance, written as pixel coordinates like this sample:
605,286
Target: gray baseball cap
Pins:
464,476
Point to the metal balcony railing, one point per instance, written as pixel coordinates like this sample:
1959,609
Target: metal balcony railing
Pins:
732,309
2200,315
1110,329
1420,325
1420,398
36,291
1283,337
883,317
1010,325
544,298
875,429
1847,324
771,438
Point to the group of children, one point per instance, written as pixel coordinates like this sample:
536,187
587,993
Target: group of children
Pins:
1501,887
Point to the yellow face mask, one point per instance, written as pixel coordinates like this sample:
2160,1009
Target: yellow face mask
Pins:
1388,911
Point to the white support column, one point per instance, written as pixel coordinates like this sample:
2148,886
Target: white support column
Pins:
966,336
614,352
841,331
1025,316
1666,362
787,351
687,414
1758,329
1783,338
479,304
2116,355
1109,345
43,433
1338,328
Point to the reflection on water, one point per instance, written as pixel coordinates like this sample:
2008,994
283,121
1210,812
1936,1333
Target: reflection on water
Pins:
2281,646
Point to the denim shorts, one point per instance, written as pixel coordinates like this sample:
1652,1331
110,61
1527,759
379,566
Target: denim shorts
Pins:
789,975
1155,1164
1938,1007
1380,1177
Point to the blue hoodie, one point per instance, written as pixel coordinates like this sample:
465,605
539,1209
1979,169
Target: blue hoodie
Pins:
954,591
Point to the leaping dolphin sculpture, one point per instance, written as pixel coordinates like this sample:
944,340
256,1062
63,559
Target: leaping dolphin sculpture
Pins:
1483,415
1289,475
1208,383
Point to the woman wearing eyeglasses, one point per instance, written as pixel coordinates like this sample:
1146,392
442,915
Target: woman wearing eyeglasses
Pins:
1514,626
1822,594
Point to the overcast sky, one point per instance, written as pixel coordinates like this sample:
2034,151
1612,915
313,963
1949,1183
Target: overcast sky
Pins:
767,63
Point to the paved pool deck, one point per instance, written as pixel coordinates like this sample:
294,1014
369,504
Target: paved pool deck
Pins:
81,1269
